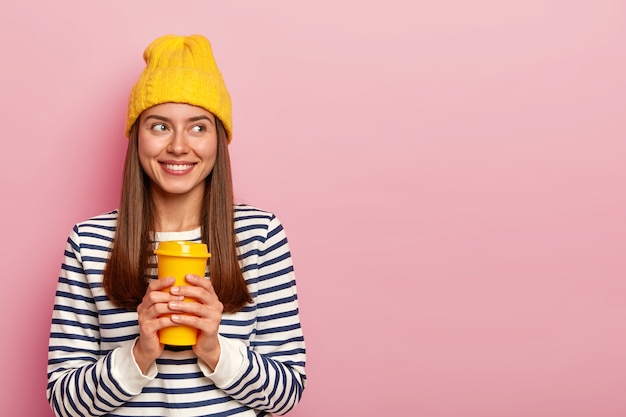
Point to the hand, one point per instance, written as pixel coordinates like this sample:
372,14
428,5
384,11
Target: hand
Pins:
204,315
150,315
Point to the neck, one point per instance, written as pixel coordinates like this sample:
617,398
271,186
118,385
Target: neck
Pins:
175,213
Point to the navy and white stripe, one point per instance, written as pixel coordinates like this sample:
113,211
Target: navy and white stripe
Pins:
91,371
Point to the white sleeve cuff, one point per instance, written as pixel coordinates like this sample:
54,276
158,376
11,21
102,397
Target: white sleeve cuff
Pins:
126,370
230,365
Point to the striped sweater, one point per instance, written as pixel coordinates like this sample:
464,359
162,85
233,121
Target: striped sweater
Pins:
91,370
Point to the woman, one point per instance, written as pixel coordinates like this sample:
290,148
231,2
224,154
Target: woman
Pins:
105,357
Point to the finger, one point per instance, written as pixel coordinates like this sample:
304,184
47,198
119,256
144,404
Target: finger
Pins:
214,309
194,293
199,281
207,293
207,325
152,326
156,297
161,284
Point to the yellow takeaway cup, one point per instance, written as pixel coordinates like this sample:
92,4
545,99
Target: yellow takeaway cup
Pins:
176,259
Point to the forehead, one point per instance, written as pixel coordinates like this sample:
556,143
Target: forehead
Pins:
177,111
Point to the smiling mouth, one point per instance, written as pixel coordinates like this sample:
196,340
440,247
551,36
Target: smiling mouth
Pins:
178,167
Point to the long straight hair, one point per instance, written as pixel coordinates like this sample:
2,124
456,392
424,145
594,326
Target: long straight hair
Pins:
125,276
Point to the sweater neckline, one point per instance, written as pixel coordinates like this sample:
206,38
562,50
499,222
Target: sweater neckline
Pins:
193,234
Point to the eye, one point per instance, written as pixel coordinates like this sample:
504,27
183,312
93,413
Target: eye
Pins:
198,128
158,127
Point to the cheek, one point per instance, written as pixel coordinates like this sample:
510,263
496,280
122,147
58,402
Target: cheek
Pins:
208,151
144,164
145,154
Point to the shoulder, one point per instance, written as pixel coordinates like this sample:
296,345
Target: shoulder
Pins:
246,213
253,221
108,219
101,226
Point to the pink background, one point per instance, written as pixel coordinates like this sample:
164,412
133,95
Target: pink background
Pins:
451,175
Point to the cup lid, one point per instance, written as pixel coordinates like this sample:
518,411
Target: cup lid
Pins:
182,248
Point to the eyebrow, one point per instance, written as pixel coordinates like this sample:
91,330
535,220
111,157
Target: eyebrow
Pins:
191,119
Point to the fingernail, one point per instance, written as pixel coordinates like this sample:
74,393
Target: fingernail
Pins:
173,304
175,289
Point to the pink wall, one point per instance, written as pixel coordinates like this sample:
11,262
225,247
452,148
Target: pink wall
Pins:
452,176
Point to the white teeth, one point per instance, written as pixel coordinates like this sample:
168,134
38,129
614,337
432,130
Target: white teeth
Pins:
177,167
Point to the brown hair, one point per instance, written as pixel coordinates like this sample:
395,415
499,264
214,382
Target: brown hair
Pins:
125,276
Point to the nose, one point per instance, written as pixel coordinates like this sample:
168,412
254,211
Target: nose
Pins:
178,143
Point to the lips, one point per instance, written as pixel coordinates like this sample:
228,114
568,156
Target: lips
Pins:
177,168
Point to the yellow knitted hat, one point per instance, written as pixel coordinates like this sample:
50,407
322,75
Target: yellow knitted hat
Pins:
180,69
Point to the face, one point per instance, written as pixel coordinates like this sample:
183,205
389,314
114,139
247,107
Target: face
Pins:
177,146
